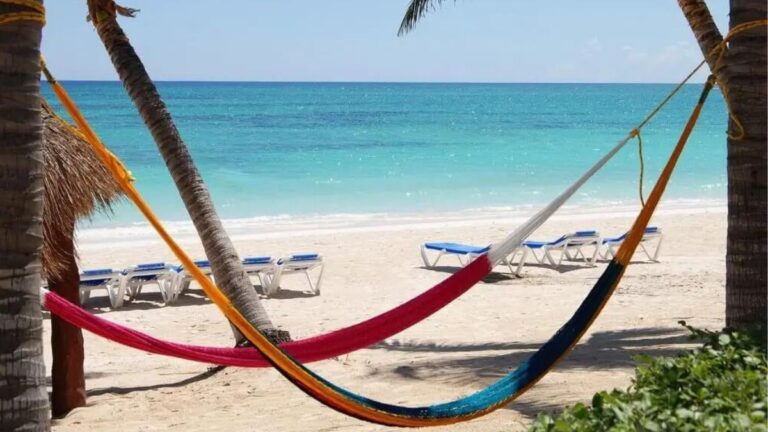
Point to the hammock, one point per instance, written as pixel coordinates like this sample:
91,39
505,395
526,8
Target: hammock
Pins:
413,311
331,344
507,388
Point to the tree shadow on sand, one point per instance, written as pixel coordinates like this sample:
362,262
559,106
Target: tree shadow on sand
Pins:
481,363
98,305
493,277
126,390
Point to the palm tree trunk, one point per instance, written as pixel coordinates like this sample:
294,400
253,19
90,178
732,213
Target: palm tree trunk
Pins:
226,266
745,300
23,397
67,377
703,26
743,74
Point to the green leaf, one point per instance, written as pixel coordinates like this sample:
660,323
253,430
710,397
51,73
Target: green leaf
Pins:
651,426
724,339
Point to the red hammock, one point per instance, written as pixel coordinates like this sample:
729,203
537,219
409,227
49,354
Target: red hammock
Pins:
315,348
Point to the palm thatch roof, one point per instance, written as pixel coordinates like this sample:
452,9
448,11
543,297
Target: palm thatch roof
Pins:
76,186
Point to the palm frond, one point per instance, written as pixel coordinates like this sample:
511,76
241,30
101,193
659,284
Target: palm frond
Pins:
416,10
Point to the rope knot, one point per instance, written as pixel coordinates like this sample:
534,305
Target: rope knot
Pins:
634,133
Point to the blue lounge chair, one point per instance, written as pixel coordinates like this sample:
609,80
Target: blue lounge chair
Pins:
183,278
651,234
466,253
297,263
261,267
160,273
105,278
571,246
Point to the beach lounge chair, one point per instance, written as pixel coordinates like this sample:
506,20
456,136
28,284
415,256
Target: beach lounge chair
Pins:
297,263
466,253
651,235
159,273
571,246
111,280
262,267
183,278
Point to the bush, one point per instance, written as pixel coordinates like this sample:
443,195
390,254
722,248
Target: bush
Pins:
719,387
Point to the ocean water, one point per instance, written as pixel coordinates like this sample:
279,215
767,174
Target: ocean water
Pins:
271,150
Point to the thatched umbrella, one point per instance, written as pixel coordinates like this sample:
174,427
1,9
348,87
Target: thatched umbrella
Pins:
76,186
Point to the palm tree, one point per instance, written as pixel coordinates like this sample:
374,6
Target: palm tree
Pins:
743,73
226,266
23,396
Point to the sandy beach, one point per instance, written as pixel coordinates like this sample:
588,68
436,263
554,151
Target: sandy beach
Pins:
371,266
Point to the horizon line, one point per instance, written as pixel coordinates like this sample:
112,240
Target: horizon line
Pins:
382,82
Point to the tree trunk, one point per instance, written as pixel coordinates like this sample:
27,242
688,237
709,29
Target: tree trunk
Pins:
68,379
23,396
743,74
747,170
704,28
227,268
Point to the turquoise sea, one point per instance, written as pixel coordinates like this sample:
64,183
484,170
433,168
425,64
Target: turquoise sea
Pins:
303,149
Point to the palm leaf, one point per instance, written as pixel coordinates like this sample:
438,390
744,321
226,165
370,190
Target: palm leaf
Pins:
416,10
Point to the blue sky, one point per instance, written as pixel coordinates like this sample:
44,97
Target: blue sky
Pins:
355,40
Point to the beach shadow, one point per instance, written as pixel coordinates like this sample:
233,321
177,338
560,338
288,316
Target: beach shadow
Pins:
634,263
492,278
88,375
284,294
98,305
600,351
564,267
126,390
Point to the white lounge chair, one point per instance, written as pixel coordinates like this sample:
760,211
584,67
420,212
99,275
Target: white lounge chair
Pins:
651,235
262,267
571,246
183,278
111,280
297,263
466,253
159,273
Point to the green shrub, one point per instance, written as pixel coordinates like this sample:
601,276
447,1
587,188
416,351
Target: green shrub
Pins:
718,387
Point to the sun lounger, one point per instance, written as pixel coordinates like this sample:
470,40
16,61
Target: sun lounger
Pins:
651,235
111,280
466,253
159,273
183,278
571,246
297,263
261,267
268,270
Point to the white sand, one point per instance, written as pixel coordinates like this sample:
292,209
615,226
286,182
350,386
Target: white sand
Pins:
370,269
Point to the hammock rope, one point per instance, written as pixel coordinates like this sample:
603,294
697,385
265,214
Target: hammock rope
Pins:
37,14
516,382
493,396
329,345
463,409
641,159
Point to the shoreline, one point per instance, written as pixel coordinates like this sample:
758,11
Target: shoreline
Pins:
285,226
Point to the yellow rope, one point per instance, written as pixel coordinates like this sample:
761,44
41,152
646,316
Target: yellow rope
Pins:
32,4
636,134
110,159
722,49
116,165
37,14
295,371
